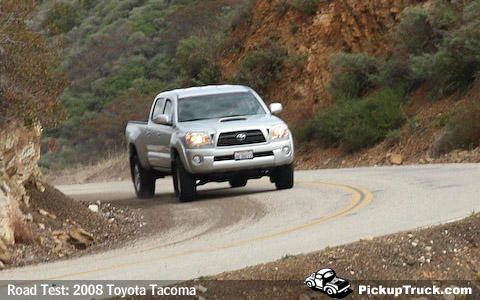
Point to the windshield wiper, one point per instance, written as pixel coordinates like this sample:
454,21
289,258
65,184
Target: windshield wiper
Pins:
197,119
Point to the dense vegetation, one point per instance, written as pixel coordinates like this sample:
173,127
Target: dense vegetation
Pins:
438,49
29,84
119,54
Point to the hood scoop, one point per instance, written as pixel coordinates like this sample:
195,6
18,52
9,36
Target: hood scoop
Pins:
231,119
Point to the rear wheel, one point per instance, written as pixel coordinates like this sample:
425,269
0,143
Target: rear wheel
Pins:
330,291
283,177
143,179
238,182
186,182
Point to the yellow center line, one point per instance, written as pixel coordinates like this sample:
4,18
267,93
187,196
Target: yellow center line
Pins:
361,197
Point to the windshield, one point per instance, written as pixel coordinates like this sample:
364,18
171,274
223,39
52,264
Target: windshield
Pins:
218,106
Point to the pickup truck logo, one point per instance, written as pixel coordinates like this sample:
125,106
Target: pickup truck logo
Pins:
241,137
326,281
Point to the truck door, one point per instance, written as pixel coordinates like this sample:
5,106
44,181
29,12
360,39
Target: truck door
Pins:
159,136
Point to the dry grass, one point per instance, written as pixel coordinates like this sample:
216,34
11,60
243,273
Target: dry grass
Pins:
21,231
113,168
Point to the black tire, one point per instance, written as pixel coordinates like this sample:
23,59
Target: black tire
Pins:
238,182
143,179
330,291
174,179
283,177
186,182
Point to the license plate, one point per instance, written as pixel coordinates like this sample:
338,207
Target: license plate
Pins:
241,155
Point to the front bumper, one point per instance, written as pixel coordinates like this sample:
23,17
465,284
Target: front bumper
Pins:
210,165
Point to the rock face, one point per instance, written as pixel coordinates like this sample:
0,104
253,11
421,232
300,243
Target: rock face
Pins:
19,155
396,159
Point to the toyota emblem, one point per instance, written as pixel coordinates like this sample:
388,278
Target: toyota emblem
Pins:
241,137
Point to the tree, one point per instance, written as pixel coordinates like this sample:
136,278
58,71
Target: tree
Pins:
29,81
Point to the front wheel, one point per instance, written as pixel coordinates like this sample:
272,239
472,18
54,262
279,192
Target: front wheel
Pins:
283,177
185,182
143,180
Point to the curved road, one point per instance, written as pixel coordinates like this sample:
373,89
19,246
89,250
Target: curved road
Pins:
228,229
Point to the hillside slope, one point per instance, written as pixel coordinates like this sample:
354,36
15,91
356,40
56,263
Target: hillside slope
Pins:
349,26
367,30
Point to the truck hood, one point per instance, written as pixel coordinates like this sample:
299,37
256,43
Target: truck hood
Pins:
231,124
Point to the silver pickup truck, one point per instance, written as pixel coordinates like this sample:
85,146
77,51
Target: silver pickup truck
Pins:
209,134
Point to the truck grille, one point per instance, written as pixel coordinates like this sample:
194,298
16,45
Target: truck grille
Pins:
231,157
230,138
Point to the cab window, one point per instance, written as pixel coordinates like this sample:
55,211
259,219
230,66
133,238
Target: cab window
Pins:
168,109
157,109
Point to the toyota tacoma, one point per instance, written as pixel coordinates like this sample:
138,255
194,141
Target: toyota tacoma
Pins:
209,134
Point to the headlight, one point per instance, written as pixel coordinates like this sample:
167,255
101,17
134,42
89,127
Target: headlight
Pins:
198,139
279,132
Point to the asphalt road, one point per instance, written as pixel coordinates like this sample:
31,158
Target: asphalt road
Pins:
227,229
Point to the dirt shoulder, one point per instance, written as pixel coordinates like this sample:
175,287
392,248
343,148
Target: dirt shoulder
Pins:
114,168
58,227
444,252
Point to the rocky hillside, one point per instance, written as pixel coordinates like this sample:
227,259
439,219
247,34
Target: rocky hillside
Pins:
332,27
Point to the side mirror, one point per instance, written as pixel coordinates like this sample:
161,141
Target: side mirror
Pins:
162,119
276,108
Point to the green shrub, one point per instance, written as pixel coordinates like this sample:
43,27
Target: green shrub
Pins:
306,7
471,11
293,28
443,17
353,75
455,66
394,72
465,127
442,121
61,18
260,67
414,34
198,61
357,124
393,137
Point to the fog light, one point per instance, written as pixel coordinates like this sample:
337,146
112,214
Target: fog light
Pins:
197,159
286,150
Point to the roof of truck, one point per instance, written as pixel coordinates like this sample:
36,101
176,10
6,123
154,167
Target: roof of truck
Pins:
206,90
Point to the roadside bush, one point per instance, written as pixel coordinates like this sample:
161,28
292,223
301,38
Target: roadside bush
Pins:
353,75
260,67
465,127
357,124
306,7
393,137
